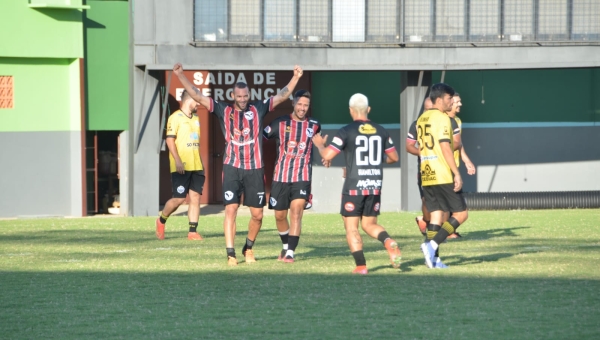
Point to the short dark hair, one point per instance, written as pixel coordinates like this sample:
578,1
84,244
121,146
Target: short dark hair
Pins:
240,85
456,94
299,94
439,90
185,96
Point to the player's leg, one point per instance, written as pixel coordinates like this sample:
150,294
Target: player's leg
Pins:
351,212
232,190
455,203
299,194
180,185
372,228
278,202
432,200
196,186
255,199
423,220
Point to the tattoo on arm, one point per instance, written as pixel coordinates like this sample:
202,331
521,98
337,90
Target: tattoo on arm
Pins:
284,91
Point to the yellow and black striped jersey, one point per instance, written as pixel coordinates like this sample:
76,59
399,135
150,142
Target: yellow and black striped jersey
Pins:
186,132
433,127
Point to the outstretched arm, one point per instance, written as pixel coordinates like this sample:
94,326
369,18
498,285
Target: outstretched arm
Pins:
285,92
326,153
191,89
471,170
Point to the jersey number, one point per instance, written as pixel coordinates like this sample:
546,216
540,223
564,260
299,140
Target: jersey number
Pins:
424,133
368,150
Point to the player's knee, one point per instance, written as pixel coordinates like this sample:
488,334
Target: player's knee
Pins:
257,216
280,217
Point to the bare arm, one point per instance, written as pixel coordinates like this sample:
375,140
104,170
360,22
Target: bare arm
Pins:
457,141
411,147
285,92
471,170
175,154
191,89
449,158
326,153
392,157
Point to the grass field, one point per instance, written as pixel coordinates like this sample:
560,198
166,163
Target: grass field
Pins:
514,274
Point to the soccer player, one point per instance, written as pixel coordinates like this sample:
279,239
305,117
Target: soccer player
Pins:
187,171
366,146
459,153
440,178
293,171
243,172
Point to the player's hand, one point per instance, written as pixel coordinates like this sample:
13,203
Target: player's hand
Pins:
298,71
471,170
326,164
457,183
178,69
179,166
319,140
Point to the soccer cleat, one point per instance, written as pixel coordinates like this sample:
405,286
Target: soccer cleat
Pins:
428,252
281,255
422,225
288,259
438,264
249,255
160,229
362,270
194,236
394,252
231,261
308,203
455,235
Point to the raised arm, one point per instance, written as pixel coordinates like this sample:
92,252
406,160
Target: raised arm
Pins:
471,170
191,89
326,153
285,92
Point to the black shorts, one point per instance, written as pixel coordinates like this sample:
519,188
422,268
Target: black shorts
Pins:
189,180
283,193
360,205
238,181
442,197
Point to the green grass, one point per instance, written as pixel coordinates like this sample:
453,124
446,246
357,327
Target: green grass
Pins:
514,274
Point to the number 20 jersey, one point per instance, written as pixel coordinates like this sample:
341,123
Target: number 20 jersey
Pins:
364,144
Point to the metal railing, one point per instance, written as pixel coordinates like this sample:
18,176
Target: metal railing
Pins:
290,22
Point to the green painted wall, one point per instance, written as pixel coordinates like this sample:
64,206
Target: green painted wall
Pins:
557,95
46,94
332,91
40,33
107,65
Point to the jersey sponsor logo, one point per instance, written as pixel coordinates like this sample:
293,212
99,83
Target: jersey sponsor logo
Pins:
180,189
368,183
291,144
231,116
248,142
390,141
310,132
273,201
302,192
197,123
302,146
246,131
249,115
369,172
237,132
189,145
337,141
376,207
287,129
429,158
349,206
313,121
194,136
228,195
428,174
367,129
268,129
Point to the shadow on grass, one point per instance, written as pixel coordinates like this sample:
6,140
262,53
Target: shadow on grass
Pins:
233,303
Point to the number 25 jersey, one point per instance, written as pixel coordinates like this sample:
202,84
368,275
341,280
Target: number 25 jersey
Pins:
364,144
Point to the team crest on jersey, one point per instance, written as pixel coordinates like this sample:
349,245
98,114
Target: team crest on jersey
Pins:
268,129
367,129
302,192
310,132
349,206
337,141
249,115
194,135
376,207
246,131
180,189
273,201
390,141
228,195
302,146
287,129
237,132
291,144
